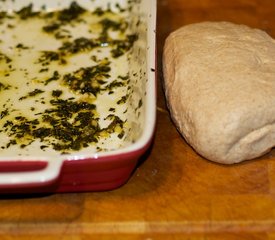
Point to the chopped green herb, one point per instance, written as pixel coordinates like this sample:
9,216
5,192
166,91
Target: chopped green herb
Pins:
4,113
71,13
4,86
54,77
26,12
47,57
32,94
21,46
5,58
99,12
56,93
88,80
51,28
78,45
122,100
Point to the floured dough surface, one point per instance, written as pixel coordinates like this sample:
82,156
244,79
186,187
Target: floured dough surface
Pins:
220,89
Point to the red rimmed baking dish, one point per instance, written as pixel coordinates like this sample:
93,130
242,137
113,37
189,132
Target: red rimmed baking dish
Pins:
34,165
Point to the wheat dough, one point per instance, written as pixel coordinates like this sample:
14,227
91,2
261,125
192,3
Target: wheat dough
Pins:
219,81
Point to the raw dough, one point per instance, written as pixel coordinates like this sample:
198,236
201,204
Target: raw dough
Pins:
219,81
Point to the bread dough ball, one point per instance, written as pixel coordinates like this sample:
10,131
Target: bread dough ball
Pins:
219,81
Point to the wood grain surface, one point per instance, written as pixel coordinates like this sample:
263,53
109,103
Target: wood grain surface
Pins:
174,193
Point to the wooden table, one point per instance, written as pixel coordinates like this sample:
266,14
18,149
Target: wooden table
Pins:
174,193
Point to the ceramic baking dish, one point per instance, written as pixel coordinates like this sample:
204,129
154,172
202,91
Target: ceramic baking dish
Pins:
78,94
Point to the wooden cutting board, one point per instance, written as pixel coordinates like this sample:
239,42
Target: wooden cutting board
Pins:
174,193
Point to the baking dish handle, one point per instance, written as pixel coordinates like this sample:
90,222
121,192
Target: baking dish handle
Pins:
49,173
